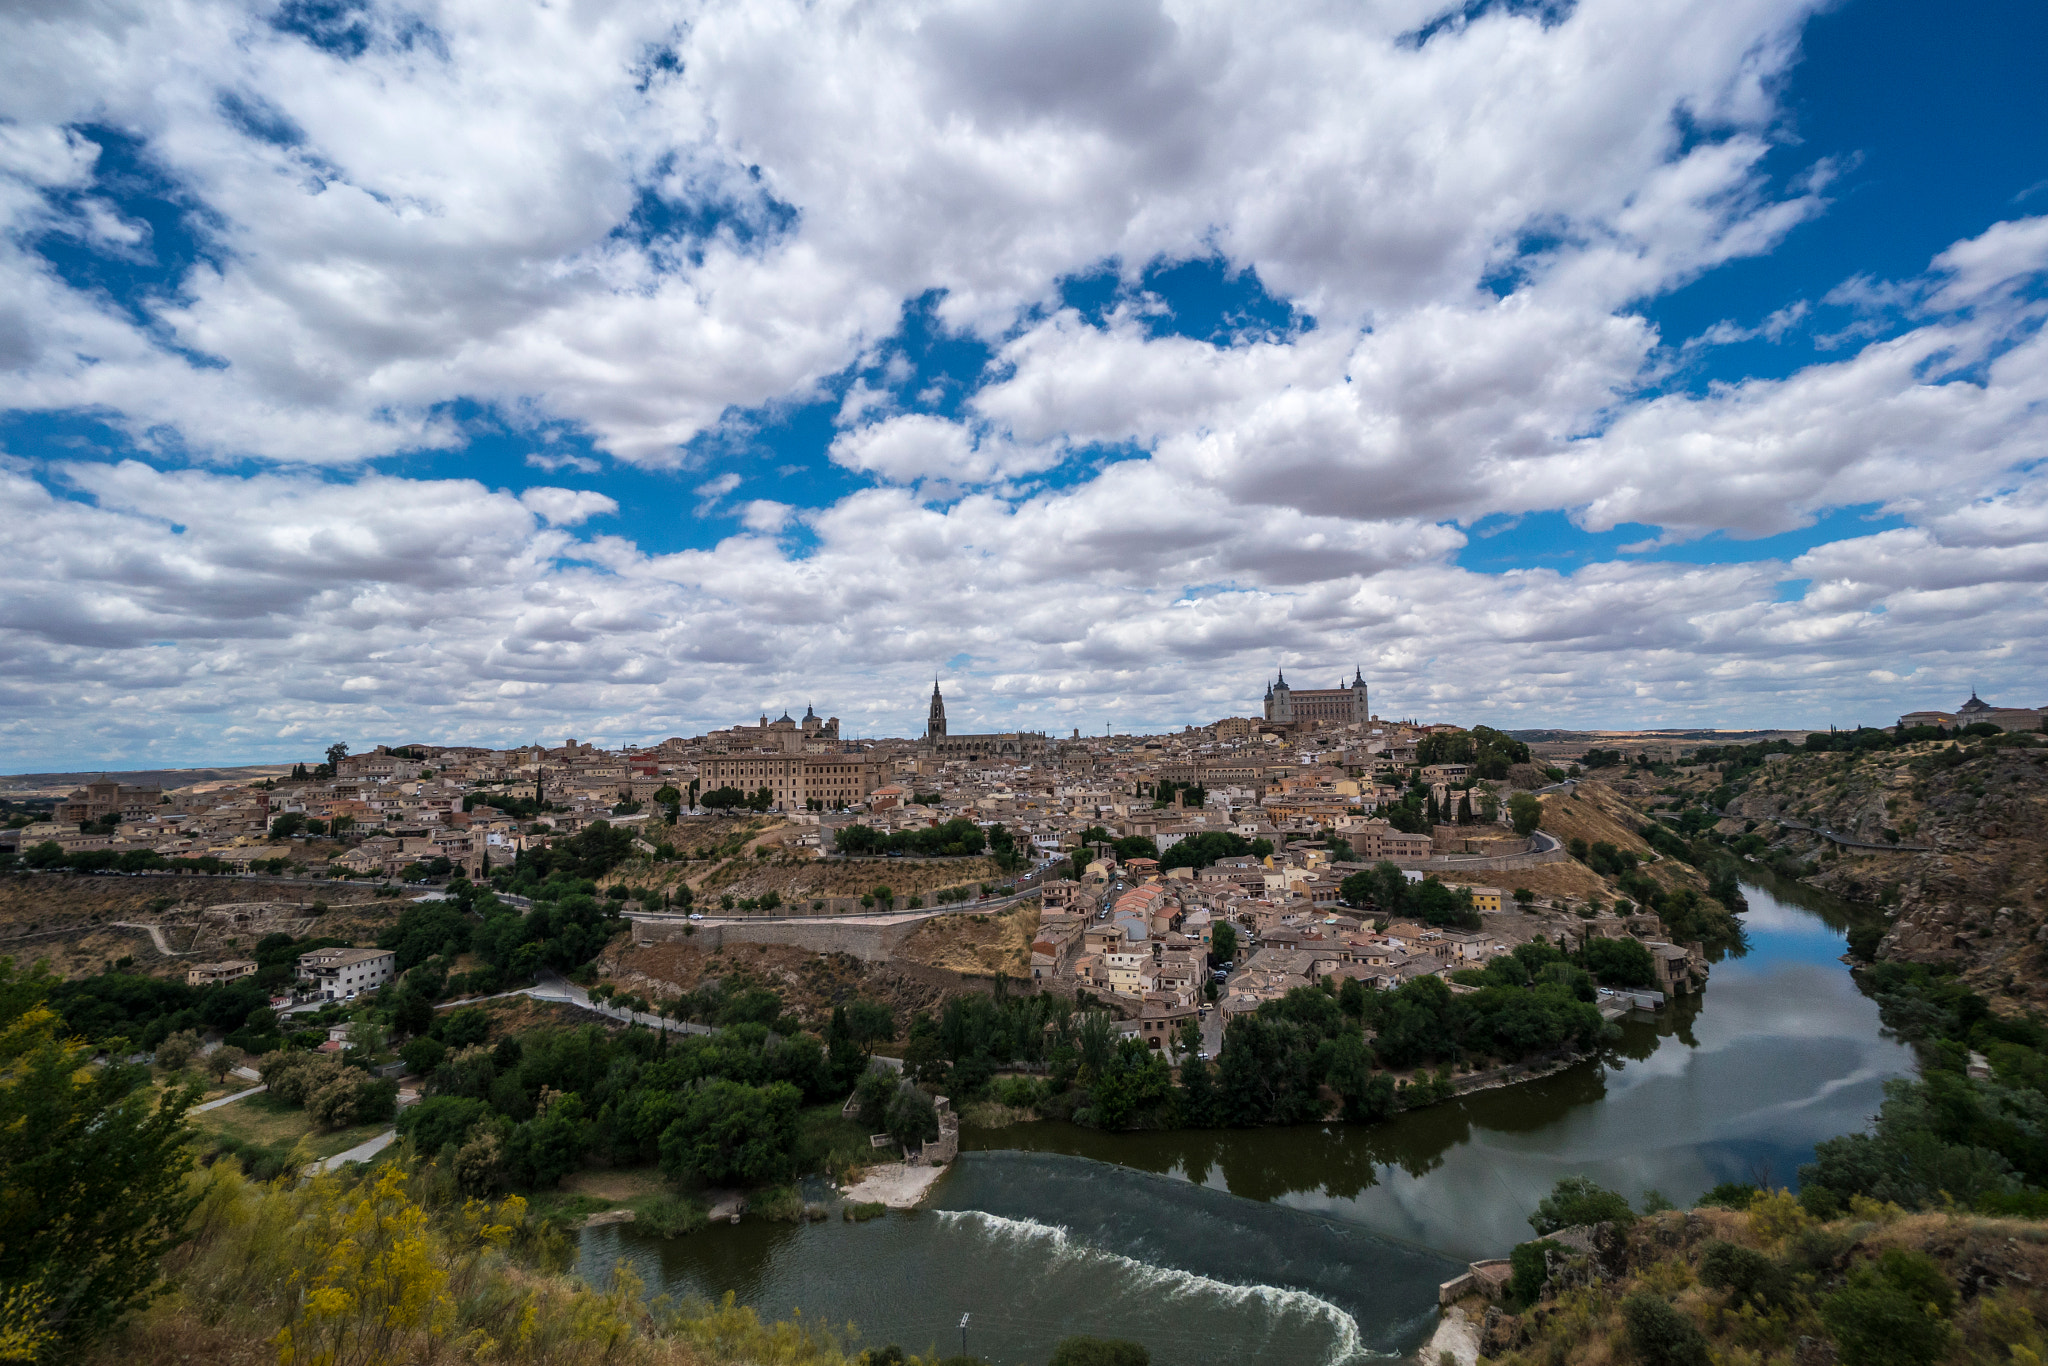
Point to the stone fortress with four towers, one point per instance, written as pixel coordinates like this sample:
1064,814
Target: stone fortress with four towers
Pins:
1344,705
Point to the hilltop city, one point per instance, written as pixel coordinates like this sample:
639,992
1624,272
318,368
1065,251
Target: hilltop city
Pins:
1270,832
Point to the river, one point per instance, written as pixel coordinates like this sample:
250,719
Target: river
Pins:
1318,1244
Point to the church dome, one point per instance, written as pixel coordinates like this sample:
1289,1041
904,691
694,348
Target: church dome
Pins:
1975,704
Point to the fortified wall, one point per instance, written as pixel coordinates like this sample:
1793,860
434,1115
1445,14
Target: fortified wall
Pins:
871,943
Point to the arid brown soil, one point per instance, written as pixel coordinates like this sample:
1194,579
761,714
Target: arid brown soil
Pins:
68,921
810,984
748,858
1595,812
974,943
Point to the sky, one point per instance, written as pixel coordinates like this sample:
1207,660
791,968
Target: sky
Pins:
484,372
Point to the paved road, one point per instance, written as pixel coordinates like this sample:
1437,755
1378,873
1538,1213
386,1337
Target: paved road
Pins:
1849,843
554,987
362,1152
227,1100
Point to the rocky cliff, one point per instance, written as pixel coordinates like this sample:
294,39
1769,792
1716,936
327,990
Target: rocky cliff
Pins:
1949,841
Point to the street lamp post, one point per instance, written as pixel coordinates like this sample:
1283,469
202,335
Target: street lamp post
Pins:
963,1335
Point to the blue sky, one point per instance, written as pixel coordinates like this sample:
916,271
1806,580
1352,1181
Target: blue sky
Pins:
351,394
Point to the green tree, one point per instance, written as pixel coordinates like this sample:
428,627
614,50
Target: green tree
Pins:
870,1021
670,800
1095,1039
1526,812
911,1117
1223,942
873,1092
1578,1200
1199,851
412,1013
1441,905
1392,894
732,1132
1620,962
1197,1090
91,1178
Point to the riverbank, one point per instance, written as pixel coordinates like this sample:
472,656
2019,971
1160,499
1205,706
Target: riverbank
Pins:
1456,1337
1348,1229
897,1185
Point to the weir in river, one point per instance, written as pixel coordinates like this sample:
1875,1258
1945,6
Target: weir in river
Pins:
1320,1243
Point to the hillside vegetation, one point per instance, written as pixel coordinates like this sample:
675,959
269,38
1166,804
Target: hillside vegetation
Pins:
1771,1284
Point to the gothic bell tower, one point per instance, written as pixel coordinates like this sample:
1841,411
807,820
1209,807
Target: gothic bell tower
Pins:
935,720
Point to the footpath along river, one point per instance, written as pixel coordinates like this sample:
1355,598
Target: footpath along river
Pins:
1317,1244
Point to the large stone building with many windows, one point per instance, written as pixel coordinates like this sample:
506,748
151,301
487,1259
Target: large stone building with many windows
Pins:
1344,705
1974,711
794,781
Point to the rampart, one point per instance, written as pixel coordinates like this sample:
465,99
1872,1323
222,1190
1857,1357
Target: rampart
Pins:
865,940
1547,850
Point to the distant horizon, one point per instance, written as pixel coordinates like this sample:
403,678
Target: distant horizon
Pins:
118,765
1101,359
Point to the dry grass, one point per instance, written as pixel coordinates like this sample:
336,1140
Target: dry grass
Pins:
977,943
88,905
619,1185
1572,880
1601,814
272,1124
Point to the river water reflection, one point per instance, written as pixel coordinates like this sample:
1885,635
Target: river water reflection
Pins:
1321,1244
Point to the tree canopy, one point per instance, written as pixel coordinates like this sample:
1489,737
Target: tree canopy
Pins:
93,1192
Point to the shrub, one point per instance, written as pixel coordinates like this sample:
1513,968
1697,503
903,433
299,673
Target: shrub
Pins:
438,1121
1892,1312
1661,1336
1747,1275
463,1028
671,1216
1530,1272
1019,1093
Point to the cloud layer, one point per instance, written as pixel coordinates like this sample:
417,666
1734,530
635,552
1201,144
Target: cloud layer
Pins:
279,251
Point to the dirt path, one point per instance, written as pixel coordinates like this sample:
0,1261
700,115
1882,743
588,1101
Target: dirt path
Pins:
156,935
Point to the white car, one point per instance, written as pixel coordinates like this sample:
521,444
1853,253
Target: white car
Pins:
696,915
